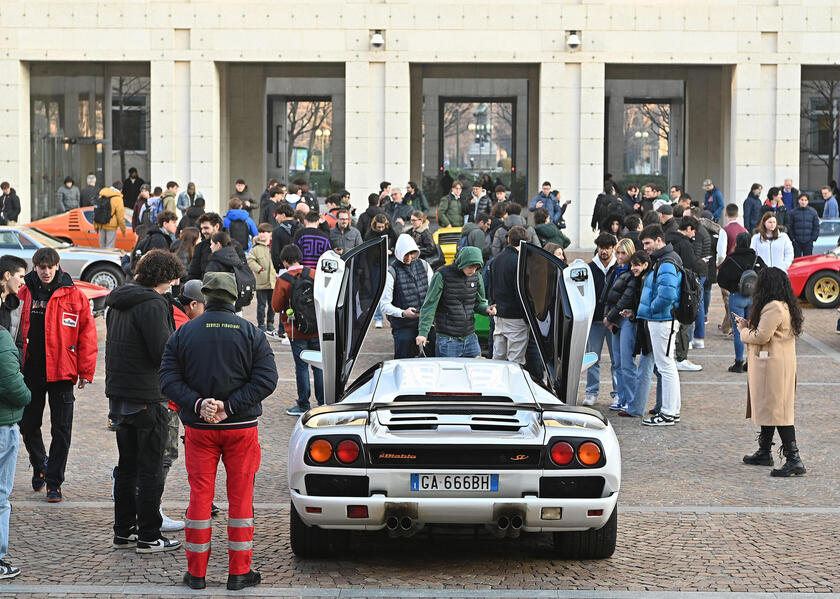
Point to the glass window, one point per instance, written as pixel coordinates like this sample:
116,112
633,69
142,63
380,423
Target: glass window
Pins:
647,128
129,113
478,139
307,142
9,240
27,243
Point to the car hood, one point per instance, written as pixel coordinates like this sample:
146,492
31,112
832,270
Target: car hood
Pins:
99,253
810,262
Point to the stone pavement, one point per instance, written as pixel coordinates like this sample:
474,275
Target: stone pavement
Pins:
694,521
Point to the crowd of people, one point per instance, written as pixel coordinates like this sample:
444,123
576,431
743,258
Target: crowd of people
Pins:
173,328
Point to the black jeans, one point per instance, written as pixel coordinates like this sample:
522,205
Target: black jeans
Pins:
138,477
61,426
265,315
786,433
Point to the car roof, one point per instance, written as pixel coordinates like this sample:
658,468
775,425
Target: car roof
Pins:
418,377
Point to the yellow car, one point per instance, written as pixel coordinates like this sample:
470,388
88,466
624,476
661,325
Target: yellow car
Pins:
447,239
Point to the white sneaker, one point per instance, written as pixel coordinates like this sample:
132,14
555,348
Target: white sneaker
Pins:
377,324
170,525
698,344
285,341
590,400
688,365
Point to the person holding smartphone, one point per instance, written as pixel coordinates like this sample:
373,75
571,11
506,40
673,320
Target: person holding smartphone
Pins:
406,285
770,334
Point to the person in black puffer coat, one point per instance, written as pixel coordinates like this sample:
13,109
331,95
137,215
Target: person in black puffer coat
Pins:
804,227
224,256
139,323
621,292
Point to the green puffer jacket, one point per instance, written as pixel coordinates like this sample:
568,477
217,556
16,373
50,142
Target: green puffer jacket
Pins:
14,395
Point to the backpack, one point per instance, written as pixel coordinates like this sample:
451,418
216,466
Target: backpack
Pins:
141,248
746,282
246,284
463,242
302,301
102,210
239,231
690,291
150,214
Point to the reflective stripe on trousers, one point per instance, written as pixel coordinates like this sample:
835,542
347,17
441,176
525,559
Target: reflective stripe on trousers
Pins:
239,450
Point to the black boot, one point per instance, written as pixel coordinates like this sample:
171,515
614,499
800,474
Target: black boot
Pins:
738,366
764,455
237,582
793,466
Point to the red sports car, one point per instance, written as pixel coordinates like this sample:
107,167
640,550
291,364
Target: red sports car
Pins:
818,278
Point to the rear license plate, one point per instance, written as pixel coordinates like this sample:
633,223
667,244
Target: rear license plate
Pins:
455,482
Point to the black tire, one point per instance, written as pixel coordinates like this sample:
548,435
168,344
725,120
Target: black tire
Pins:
823,289
105,275
588,544
314,542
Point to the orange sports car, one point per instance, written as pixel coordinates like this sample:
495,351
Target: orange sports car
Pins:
76,227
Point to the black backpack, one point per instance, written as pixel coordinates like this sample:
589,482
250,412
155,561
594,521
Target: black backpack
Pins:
246,284
102,210
690,291
302,301
239,231
746,282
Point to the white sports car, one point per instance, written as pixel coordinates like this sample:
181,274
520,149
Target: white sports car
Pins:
470,443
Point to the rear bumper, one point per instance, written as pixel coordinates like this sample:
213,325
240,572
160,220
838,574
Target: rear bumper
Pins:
454,510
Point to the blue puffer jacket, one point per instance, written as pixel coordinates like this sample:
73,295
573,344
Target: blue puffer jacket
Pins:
661,291
804,224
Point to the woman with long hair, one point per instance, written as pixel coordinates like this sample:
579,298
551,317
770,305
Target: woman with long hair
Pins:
620,293
184,246
771,244
770,336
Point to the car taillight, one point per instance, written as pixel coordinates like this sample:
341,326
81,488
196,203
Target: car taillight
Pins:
320,451
589,453
562,453
347,451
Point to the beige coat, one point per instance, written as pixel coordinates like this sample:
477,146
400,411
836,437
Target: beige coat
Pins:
771,376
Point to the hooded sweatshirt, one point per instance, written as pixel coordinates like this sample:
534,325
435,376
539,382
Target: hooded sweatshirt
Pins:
453,297
223,260
500,238
139,322
243,221
190,219
406,286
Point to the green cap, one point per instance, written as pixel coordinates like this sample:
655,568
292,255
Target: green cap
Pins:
220,287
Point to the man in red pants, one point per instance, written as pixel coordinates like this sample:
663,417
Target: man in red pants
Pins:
218,368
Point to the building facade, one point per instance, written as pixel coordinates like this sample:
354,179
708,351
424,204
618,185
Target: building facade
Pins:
351,93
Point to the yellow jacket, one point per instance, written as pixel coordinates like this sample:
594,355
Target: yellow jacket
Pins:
117,210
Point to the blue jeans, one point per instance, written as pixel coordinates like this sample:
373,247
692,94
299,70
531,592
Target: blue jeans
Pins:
302,373
640,398
738,304
700,322
377,315
624,341
405,345
707,298
452,347
9,442
597,335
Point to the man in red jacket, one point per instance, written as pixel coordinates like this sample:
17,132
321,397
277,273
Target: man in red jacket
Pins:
59,350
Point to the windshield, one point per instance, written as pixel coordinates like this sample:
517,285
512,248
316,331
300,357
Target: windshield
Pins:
44,239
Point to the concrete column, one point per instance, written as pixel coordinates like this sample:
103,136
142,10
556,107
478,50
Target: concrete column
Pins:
357,133
572,140
788,121
752,135
15,150
170,121
397,123
591,157
205,165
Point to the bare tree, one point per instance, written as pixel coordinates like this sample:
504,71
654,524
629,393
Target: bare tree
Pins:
304,118
658,118
126,90
453,112
820,108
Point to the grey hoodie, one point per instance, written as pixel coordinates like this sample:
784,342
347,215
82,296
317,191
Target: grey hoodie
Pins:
511,220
